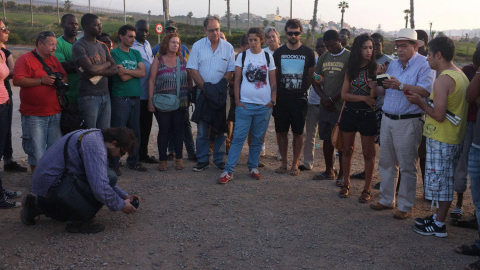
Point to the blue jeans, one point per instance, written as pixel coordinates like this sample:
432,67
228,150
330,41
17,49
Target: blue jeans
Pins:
38,134
203,144
187,137
95,110
474,173
126,113
253,119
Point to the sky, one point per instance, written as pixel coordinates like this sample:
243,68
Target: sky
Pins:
444,14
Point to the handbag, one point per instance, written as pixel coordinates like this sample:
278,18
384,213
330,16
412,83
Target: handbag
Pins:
336,136
74,192
168,102
71,120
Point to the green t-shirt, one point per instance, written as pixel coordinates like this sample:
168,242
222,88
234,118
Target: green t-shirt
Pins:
64,54
129,60
333,69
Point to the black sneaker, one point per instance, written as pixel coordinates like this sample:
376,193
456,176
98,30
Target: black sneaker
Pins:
84,227
14,167
220,166
303,168
5,203
150,160
424,221
201,166
431,229
11,194
29,210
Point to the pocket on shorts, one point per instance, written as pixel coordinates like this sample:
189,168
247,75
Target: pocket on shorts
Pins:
27,138
436,178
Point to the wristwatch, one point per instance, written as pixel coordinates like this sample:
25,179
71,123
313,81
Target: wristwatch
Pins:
400,87
273,102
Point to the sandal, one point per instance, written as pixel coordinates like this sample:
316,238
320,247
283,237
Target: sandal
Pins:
344,192
323,176
469,250
179,164
365,197
339,183
294,172
281,170
162,166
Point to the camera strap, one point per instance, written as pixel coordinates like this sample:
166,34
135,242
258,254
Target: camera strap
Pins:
62,99
45,66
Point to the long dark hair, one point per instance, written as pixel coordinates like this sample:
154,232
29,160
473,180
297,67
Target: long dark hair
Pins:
355,59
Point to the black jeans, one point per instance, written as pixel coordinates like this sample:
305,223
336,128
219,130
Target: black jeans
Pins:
146,118
52,208
3,134
170,126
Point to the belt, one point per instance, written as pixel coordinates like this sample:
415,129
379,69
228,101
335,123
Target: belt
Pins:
403,116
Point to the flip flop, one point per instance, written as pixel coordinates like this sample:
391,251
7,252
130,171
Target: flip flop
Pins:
281,170
295,172
323,176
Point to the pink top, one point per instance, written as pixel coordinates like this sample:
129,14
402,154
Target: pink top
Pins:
4,71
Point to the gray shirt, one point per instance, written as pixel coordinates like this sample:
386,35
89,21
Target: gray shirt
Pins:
97,54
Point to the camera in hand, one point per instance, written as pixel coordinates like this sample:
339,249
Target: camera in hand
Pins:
61,87
135,203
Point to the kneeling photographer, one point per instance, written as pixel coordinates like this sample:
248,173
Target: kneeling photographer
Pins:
72,181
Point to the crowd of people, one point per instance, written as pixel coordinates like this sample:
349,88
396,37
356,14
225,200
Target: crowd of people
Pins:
422,113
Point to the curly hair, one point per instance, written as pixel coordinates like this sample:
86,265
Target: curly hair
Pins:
256,31
166,41
355,59
123,136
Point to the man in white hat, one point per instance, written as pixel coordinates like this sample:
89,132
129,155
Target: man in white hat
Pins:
401,128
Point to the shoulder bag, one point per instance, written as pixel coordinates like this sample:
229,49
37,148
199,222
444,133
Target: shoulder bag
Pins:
168,102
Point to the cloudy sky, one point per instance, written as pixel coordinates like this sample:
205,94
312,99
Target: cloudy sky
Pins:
445,14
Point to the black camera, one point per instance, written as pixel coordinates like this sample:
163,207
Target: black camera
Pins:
135,203
61,87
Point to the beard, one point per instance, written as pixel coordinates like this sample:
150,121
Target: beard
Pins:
293,41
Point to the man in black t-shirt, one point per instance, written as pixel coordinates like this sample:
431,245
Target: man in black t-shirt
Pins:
295,64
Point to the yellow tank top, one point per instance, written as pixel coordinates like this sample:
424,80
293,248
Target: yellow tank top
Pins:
446,131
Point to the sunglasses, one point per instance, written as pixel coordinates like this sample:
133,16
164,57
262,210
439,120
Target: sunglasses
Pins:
4,30
297,33
46,34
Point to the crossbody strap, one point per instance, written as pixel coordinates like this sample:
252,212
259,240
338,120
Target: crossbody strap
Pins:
178,77
45,66
340,116
78,144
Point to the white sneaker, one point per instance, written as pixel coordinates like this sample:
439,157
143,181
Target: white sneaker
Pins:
279,156
263,153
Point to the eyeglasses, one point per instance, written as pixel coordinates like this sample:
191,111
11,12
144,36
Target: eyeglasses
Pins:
213,30
403,46
4,30
46,34
297,33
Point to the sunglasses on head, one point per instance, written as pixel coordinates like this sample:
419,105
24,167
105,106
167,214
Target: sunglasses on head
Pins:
297,33
46,34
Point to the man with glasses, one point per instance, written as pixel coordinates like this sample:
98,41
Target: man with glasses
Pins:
295,63
402,123
39,104
331,67
87,153
126,91
211,64
94,64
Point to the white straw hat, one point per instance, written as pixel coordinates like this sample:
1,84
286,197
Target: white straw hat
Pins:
410,35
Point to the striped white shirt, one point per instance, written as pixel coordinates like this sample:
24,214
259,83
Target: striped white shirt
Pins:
212,66
417,72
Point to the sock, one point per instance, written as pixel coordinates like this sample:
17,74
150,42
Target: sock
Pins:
434,217
439,224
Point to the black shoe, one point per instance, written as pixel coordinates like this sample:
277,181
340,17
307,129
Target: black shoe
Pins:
29,210
192,157
376,186
424,221
431,229
303,168
201,166
5,203
14,167
360,175
84,227
171,156
151,160
11,194
220,166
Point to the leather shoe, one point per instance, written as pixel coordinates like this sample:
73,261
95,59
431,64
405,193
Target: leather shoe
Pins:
379,206
402,215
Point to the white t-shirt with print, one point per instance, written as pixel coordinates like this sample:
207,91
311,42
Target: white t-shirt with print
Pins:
255,87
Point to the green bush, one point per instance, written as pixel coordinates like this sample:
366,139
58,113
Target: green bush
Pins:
13,38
